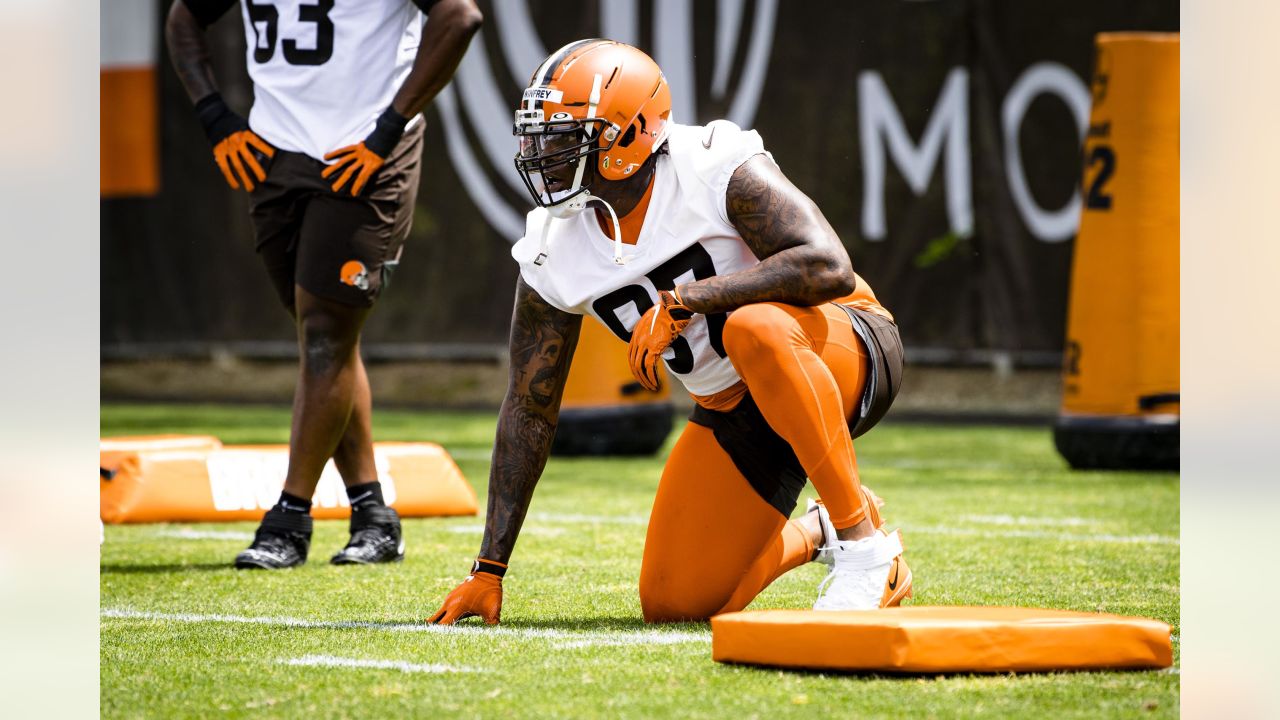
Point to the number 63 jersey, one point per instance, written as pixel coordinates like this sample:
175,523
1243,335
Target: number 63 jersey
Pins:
322,70
686,236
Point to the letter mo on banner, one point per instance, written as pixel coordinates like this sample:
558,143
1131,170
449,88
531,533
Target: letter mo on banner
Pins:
476,103
880,125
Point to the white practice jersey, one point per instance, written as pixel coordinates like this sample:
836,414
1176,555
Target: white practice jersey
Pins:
323,71
686,236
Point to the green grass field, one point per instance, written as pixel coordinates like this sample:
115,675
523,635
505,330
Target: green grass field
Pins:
991,516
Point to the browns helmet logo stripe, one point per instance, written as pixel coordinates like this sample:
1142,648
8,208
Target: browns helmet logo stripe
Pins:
548,68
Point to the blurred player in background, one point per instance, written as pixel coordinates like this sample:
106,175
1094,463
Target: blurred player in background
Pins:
698,251
330,156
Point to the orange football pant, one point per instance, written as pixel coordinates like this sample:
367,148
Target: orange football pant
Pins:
806,369
713,543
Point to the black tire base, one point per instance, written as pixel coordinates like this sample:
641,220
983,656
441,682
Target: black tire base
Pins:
613,430
1118,443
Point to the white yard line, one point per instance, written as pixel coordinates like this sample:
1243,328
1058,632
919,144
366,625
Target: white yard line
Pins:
1043,535
1024,520
471,453
189,534
401,665
561,638
528,529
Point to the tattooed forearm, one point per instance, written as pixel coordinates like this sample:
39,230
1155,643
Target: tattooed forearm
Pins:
189,52
542,344
802,259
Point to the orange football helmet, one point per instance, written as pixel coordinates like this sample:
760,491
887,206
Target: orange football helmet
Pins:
589,99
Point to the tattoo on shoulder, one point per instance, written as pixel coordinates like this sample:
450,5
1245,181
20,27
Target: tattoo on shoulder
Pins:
765,208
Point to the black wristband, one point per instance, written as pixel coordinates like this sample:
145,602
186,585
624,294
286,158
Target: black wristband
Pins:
386,133
487,566
218,120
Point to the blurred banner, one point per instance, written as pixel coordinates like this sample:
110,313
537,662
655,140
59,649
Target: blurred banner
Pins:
127,81
941,139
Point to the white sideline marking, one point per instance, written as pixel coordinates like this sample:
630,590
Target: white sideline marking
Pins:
486,453
472,453
189,534
591,519
402,666
1043,535
561,639
1023,520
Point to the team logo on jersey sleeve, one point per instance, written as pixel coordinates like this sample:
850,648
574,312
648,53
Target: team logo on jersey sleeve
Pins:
355,274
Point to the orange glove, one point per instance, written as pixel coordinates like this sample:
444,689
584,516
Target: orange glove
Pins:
235,153
657,329
365,158
358,161
480,595
234,144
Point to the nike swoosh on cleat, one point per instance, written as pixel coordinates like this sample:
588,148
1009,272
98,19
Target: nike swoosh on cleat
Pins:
893,584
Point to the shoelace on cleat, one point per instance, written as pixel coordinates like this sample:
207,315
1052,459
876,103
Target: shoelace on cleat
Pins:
371,536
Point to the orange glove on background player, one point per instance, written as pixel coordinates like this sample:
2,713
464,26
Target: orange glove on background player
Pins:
480,595
657,329
362,160
235,146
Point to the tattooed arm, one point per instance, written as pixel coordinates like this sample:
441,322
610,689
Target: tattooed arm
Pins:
802,261
445,37
189,51
542,344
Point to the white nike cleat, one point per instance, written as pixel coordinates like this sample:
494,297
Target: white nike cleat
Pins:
824,556
866,574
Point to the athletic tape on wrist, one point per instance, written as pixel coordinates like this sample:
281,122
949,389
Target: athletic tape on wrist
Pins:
218,120
488,566
386,133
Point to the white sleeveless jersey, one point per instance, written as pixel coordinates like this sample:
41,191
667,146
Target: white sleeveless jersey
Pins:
323,71
686,236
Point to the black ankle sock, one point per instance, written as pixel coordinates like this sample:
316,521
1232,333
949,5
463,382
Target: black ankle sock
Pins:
365,494
293,504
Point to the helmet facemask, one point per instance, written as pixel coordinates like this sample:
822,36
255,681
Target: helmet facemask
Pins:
553,148
593,101
553,158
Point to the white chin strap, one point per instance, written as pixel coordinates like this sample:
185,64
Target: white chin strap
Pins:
618,257
569,209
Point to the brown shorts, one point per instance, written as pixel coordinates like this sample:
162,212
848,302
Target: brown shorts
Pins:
335,246
884,348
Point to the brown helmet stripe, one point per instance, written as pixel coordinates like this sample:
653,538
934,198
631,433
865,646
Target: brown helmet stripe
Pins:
548,68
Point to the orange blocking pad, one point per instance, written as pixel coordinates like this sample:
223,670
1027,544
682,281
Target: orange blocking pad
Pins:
941,639
196,478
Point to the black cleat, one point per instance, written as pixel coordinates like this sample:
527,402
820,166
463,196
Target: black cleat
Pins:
282,541
375,537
